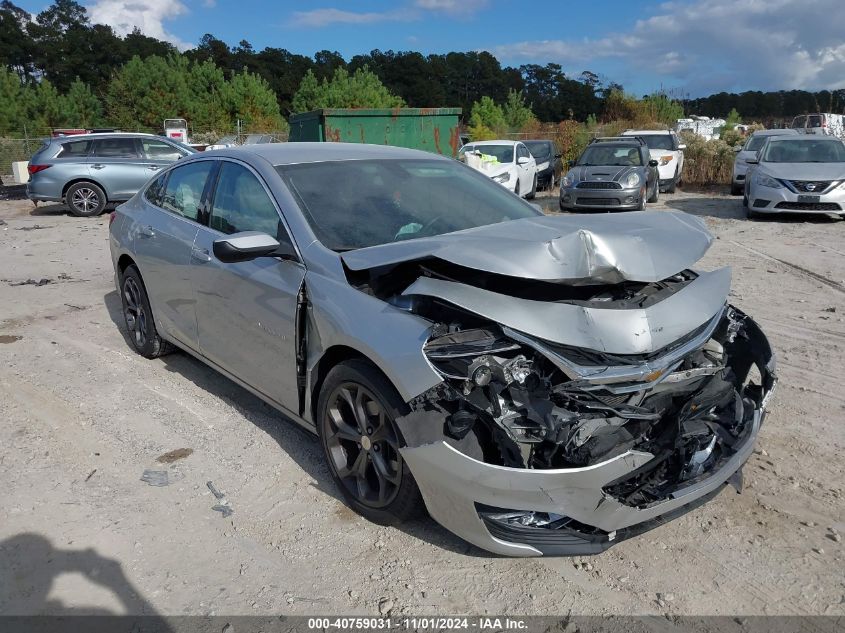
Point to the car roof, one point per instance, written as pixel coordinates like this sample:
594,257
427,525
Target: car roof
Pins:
645,132
78,137
292,153
784,132
809,137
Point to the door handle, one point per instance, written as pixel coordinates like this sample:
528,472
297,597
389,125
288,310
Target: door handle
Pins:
97,166
200,254
147,231
153,167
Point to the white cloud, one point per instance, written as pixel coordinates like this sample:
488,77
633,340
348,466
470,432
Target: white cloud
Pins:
147,15
455,7
717,44
318,18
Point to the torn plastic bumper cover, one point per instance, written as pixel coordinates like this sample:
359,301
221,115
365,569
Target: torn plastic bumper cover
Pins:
529,447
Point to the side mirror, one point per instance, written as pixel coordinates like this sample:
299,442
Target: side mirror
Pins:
245,246
523,160
752,161
652,163
557,156
571,163
682,146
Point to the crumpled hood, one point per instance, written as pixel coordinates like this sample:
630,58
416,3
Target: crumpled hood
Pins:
577,250
805,171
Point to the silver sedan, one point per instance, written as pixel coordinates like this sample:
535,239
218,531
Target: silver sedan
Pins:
797,174
540,385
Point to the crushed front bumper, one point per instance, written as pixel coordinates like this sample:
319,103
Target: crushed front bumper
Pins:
574,198
468,496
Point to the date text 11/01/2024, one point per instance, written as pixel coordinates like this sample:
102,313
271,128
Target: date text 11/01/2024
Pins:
416,624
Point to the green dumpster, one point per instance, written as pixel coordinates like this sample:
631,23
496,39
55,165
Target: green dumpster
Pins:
430,129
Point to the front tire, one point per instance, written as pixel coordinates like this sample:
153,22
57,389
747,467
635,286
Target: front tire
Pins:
85,199
673,184
736,190
138,316
533,191
356,410
656,193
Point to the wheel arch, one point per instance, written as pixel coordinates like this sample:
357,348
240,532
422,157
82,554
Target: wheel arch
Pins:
75,181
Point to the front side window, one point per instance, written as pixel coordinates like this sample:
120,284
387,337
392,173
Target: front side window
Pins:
359,203
242,204
74,149
116,148
159,150
183,191
798,122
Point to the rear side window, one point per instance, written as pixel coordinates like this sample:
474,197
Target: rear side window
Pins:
242,204
155,192
116,148
159,150
74,149
183,191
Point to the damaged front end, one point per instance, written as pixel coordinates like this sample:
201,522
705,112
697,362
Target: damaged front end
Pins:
633,434
574,414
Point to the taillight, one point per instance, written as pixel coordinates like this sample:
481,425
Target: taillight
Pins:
112,217
34,169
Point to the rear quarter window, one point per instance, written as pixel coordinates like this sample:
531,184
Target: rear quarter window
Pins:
74,149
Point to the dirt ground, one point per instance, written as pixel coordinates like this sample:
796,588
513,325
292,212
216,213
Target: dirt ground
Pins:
83,417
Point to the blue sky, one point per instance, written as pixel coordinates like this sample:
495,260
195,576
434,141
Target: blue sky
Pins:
693,47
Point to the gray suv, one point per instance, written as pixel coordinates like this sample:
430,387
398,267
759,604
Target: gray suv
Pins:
88,171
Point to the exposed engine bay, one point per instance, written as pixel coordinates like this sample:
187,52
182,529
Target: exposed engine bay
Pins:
514,400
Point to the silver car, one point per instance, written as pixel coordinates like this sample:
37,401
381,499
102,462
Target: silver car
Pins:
541,385
747,152
612,174
797,174
88,171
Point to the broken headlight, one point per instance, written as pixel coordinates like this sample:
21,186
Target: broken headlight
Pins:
454,354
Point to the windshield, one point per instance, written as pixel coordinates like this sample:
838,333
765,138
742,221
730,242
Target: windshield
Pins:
183,146
612,155
805,151
540,150
503,153
659,141
358,203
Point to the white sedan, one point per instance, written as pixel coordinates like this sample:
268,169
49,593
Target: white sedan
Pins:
507,162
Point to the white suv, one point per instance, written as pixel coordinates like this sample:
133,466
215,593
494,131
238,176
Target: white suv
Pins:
666,148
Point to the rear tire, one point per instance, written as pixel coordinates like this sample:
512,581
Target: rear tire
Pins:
356,410
138,316
85,199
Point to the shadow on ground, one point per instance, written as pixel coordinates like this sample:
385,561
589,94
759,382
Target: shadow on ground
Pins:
301,444
30,564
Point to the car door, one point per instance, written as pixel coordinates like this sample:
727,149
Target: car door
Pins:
246,311
526,171
165,224
117,164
